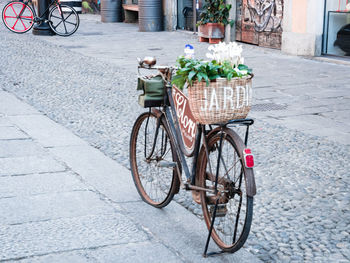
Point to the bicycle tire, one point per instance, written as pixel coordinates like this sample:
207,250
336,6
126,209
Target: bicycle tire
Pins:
10,17
59,23
164,189
229,232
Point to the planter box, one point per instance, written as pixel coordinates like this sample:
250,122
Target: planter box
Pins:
212,32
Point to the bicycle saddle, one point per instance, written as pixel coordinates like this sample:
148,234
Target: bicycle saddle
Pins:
150,61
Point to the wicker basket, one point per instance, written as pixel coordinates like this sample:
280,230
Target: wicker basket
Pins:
221,101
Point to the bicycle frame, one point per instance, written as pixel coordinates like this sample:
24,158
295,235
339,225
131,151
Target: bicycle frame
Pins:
173,123
53,2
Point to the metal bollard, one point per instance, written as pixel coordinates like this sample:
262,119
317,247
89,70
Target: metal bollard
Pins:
43,28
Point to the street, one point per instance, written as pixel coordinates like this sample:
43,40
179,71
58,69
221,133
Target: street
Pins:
86,85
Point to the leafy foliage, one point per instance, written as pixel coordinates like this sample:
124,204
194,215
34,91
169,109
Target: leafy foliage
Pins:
215,11
190,70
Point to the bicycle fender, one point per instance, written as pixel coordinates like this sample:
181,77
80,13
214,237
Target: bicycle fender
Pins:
249,173
250,182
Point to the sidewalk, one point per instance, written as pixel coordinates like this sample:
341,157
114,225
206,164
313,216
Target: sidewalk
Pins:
62,200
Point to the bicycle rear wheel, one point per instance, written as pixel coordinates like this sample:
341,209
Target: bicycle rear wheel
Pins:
235,208
153,173
18,17
64,20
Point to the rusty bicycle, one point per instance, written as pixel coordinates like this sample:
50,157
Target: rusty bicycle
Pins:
221,177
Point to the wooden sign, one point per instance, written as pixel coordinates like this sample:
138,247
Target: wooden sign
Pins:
187,122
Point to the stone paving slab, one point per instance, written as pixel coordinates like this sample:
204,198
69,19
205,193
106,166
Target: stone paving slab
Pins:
29,165
11,133
67,234
135,253
19,210
4,122
10,105
145,251
106,175
19,148
38,125
76,256
37,184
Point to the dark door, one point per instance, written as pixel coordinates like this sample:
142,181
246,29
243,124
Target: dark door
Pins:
185,13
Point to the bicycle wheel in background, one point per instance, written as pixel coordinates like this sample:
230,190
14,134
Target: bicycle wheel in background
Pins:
18,17
235,208
64,20
153,173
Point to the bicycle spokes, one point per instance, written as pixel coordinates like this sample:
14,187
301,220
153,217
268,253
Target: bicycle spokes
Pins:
227,209
64,21
18,17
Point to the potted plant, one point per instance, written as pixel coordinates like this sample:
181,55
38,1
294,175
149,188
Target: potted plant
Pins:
219,89
213,19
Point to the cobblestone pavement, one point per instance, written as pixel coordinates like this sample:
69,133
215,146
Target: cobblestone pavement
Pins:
302,206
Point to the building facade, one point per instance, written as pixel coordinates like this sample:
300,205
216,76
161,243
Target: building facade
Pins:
298,27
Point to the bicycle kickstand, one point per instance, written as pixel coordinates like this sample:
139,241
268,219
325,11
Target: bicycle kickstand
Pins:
217,199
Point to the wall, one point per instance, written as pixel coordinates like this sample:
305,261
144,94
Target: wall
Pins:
303,27
230,32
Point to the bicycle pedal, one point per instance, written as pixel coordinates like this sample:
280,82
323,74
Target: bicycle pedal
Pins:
221,210
166,164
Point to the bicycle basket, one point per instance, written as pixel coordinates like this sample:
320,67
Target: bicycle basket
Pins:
153,91
221,101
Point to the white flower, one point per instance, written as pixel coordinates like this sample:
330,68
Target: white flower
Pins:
210,56
226,52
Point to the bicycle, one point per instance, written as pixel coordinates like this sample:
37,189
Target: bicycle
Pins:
221,179
19,17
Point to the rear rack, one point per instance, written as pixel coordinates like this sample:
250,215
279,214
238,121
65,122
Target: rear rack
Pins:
245,122
238,122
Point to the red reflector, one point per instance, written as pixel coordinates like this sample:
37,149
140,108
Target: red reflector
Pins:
249,161
248,158
247,151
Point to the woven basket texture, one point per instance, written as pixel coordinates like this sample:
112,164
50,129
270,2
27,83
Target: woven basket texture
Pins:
221,101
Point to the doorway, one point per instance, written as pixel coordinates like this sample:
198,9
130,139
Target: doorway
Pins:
259,22
185,13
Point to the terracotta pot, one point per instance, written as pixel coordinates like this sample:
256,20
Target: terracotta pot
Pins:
212,32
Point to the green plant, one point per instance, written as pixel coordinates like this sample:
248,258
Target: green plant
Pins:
190,70
215,11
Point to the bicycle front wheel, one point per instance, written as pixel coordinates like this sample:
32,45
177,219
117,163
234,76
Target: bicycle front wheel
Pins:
18,17
64,20
152,159
235,208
